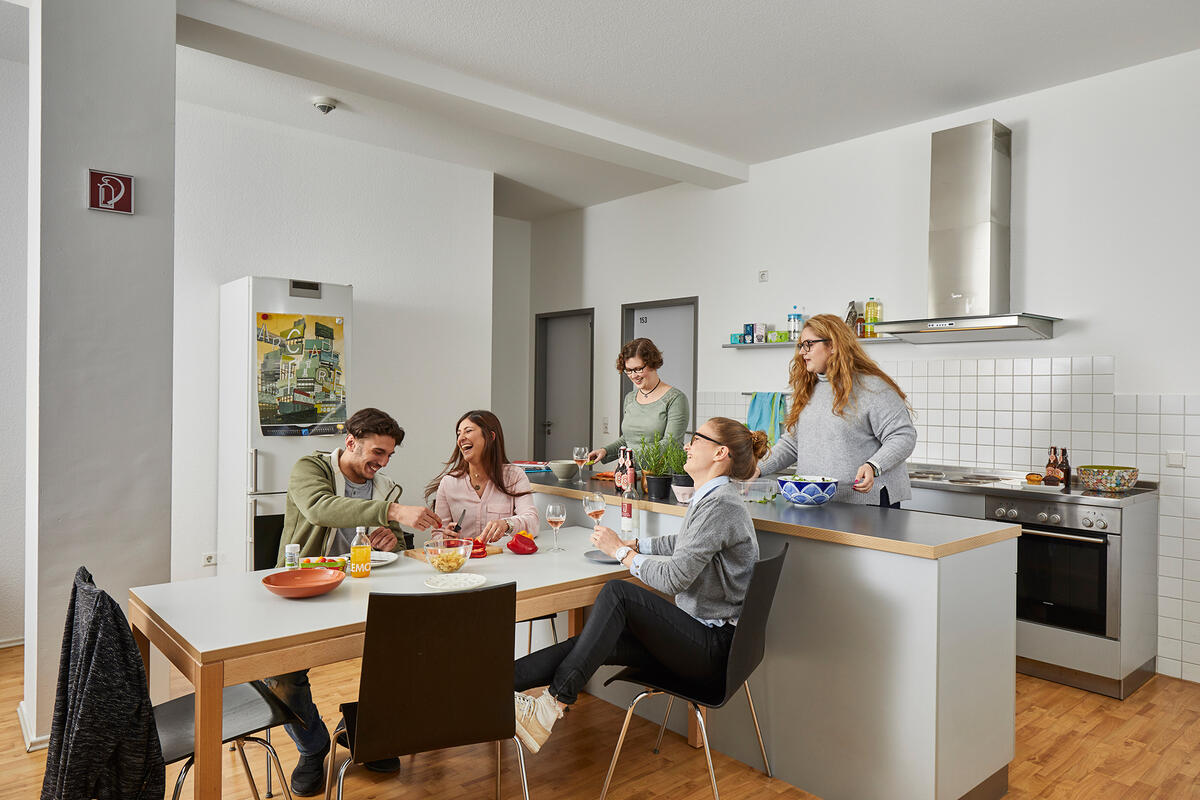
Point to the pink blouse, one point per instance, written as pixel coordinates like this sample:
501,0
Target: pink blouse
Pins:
454,495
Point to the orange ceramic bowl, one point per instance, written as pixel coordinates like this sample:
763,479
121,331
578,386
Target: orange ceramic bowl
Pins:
303,582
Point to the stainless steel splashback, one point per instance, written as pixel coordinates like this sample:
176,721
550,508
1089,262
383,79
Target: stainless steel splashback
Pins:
970,192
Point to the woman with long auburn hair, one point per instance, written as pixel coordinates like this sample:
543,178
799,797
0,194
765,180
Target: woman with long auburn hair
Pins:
848,419
480,481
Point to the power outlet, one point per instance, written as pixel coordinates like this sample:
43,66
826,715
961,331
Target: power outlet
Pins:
208,559
604,424
763,276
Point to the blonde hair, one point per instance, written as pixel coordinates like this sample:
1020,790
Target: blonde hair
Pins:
847,361
746,447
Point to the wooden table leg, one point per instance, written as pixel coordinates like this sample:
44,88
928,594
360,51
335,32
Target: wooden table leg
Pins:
574,621
694,738
207,771
143,646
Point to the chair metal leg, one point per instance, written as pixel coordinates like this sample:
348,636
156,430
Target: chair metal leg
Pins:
272,758
553,630
187,765
268,793
521,766
663,728
341,778
758,731
621,739
333,741
712,776
246,766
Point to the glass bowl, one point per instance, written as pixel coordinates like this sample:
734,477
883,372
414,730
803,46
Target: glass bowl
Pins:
447,555
757,490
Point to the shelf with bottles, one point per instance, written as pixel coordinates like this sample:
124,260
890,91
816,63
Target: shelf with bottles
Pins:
880,339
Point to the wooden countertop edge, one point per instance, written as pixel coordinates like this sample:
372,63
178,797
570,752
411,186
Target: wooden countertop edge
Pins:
819,534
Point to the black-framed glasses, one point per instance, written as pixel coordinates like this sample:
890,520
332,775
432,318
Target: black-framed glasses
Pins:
807,344
698,435
635,370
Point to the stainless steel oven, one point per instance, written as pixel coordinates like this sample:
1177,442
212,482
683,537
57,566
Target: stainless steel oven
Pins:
1070,579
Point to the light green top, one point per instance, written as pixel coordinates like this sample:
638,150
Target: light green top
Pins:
668,416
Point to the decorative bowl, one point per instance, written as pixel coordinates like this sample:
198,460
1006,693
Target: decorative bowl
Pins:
563,470
757,490
808,490
448,555
683,493
303,582
1107,479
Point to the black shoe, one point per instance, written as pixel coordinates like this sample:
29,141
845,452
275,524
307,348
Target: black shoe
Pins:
308,778
384,765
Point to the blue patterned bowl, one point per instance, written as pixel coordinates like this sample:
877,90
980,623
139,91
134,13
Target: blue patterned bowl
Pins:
808,490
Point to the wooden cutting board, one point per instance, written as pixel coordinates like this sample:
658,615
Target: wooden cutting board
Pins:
419,555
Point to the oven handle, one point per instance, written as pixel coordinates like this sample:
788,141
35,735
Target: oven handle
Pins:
1072,537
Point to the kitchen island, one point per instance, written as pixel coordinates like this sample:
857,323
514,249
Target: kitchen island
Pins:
889,670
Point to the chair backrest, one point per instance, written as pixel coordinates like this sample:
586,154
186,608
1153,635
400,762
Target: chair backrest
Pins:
463,642
750,639
268,530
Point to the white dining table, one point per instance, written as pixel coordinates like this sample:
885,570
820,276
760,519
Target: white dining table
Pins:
230,629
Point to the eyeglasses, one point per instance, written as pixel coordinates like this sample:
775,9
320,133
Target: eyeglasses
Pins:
635,370
698,435
807,344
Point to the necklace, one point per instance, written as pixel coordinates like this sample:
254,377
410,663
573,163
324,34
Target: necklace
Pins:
652,391
476,481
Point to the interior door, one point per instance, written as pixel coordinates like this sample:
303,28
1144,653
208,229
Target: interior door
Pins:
563,386
671,325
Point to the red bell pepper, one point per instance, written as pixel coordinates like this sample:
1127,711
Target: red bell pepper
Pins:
522,544
478,549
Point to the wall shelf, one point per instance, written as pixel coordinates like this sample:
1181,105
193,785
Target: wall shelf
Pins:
766,345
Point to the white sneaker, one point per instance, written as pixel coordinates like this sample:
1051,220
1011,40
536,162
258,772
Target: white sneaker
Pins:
535,718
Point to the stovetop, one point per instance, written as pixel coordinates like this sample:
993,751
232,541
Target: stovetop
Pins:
992,482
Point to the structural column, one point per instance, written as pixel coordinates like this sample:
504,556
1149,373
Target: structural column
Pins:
98,405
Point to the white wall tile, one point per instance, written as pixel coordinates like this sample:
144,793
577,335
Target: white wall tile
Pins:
1022,402
1172,485
1060,384
985,366
1125,423
1169,506
1188,631
1041,366
1060,402
1147,443
1042,384
1022,384
1042,402
1190,592
1174,546
1170,425
1171,404
1172,607
1170,667
1170,587
1004,384
1103,365
1147,403
1102,422
936,367
968,435
1169,648
1081,383
1060,366
1102,441
1125,403
1147,423
1102,402
1102,384
1173,628
968,367
1191,654
1081,403
1191,570
1081,440
1081,365
1022,366
967,452
1004,366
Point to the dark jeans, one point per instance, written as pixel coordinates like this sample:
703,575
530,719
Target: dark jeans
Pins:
630,627
884,498
293,689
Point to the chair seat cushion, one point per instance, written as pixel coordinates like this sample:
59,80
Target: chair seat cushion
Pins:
710,693
245,709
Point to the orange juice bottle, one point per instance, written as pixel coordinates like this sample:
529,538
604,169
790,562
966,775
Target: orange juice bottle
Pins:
360,554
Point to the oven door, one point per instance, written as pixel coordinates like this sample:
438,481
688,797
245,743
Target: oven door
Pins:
1070,580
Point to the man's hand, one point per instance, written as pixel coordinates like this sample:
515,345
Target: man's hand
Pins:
382,539
596,455
494,530
418,517
865,479
606,540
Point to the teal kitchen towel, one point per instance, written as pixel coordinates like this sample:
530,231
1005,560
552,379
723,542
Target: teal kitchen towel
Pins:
766,413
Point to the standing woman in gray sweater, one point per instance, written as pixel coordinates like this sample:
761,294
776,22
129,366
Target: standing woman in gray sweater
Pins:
707,566
848,419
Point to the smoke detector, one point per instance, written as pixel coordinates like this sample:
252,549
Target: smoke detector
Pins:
324,104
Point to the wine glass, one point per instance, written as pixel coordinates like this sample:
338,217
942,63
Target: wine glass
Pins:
593,506
579,454
556,515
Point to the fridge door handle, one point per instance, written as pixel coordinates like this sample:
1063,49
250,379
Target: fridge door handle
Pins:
251,513
253,471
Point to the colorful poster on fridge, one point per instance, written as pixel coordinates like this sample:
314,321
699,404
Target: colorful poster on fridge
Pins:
301,374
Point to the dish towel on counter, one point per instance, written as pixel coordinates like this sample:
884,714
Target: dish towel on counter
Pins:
766,413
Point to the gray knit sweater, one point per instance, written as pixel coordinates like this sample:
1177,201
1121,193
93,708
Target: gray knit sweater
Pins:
707,565
875,427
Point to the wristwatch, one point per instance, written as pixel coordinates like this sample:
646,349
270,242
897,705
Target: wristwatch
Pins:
875,468
622,551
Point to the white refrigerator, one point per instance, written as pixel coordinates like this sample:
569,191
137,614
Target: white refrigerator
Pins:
284,354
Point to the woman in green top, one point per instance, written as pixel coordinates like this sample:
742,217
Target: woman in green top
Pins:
653,406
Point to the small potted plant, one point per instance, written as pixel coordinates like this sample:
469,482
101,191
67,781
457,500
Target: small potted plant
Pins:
651,459
676,457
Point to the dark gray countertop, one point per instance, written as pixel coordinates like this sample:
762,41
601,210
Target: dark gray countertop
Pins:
913,533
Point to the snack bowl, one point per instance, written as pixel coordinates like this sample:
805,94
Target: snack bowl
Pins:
324,562
757,490
448,555
808,490
303,582
1103,478
683,493
563,469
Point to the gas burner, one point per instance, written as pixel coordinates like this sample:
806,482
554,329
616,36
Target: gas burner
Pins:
983,478
927,475
972,480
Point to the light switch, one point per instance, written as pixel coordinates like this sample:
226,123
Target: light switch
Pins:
1176,458
604,424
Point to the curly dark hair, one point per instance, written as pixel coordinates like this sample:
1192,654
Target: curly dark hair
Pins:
641,348
373,422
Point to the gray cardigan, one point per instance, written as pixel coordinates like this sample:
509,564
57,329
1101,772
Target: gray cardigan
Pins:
875,427
707,565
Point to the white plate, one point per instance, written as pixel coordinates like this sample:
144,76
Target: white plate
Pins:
600,557
455,580
379,558
1032,487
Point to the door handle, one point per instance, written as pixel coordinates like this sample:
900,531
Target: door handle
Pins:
546,425
253,471
251,514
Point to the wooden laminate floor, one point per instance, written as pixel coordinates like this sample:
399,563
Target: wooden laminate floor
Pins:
1070,744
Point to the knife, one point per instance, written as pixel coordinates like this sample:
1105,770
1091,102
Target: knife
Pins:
458,525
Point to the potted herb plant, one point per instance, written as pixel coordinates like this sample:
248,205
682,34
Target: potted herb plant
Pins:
676,457
651,459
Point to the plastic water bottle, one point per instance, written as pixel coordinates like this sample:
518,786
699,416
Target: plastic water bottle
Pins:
360,554
795,321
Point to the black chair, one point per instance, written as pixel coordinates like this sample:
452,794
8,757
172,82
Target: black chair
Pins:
465,639
246,709
745,654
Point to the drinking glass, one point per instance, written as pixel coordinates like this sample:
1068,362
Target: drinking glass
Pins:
579,454
556,515
593,506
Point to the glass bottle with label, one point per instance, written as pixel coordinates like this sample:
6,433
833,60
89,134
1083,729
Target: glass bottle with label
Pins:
873,310
1064,469
360,554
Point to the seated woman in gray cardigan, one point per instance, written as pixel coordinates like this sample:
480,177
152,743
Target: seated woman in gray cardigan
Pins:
707,566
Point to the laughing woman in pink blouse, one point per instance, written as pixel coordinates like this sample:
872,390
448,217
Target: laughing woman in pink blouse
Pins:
492,495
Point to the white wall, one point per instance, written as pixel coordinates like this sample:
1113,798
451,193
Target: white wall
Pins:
512,335
414,237
14,148
1104,195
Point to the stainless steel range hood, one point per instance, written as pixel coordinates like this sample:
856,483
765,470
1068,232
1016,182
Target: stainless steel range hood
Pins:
970,185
